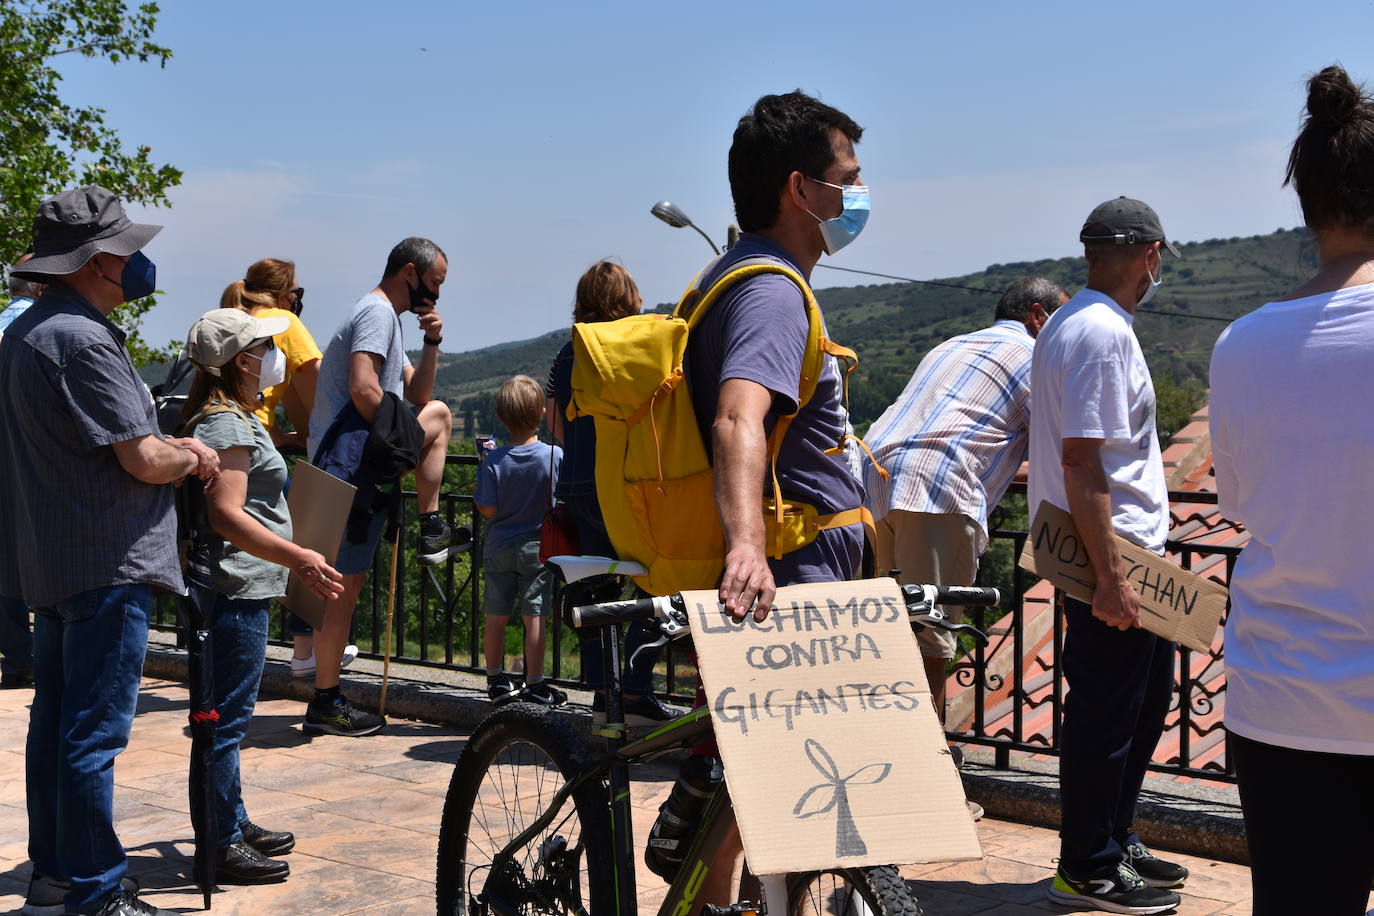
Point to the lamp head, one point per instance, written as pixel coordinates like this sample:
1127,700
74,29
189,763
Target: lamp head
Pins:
671,214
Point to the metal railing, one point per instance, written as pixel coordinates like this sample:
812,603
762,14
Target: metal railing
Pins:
438,622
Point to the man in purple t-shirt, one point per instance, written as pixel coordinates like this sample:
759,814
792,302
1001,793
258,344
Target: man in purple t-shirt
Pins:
795,181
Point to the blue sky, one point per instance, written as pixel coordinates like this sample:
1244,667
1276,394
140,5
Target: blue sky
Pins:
530,139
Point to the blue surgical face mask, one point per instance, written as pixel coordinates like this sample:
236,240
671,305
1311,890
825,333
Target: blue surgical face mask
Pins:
139,278
845,228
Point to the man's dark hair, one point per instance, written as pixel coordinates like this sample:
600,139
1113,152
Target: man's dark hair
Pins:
780,135
1016,302
414,250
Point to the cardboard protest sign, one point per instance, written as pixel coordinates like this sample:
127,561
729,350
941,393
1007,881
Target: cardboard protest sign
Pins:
1174,603
319,504
832,750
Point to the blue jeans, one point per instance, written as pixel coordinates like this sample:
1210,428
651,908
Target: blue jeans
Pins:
16,642
88,658
238,646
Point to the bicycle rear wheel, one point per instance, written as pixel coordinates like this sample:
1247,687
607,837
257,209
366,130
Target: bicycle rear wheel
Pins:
506,778
876,891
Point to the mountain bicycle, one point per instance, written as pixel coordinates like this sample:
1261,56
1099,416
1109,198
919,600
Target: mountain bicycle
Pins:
535,821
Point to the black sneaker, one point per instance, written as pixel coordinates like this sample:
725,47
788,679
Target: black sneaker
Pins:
639,711
125,902
438,542
544,694
1154,871
502,689
45,895
267,842
340,718
240,863
1120,890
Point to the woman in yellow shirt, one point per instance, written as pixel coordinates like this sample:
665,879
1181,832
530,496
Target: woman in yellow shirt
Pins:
269,290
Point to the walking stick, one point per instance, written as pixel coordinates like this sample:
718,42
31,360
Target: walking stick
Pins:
394,529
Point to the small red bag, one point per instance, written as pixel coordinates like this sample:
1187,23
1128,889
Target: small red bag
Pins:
558,530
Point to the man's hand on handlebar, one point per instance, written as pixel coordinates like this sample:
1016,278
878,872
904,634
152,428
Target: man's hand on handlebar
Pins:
747,582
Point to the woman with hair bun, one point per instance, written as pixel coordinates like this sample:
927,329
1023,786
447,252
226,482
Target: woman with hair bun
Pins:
1292,438
268,290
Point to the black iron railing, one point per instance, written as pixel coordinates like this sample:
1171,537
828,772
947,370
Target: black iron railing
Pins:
438,622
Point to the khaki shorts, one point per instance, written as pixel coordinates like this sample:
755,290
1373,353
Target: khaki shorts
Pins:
929,548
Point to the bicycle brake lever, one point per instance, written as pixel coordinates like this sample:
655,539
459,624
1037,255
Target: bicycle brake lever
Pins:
671,625
936,618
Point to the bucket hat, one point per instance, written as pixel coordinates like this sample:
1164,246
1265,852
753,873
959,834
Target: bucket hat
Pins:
221,334
73,226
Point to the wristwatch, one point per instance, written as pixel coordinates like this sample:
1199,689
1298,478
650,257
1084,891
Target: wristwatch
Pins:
433,341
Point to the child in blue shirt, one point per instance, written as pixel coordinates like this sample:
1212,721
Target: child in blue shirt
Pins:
514,488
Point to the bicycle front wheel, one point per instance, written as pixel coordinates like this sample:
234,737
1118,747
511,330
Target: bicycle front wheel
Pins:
504,781
876,891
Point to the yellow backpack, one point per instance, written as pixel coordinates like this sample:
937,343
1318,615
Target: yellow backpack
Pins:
653,476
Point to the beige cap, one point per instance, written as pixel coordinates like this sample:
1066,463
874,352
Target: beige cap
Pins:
221,334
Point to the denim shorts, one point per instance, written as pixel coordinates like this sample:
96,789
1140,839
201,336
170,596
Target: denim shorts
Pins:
515,582
357,558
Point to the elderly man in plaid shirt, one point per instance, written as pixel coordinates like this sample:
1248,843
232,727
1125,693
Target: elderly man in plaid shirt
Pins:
952,442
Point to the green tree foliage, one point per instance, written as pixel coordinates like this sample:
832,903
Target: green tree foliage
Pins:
47,145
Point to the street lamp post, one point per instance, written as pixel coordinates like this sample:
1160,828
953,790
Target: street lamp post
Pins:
673,215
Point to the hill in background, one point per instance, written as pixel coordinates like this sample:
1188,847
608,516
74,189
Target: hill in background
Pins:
893,325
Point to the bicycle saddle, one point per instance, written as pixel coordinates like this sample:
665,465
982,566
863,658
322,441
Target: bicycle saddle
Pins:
575,568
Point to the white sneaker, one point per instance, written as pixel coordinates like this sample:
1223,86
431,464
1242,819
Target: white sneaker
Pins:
305,667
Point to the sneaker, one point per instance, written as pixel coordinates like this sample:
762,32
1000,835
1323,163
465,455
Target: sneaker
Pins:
305,667
639,711
544,694
340,718
1154,871
975,810
438,542
1120,890
502,689
125,902
46,894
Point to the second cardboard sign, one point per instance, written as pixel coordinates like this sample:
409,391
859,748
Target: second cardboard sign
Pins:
1174,603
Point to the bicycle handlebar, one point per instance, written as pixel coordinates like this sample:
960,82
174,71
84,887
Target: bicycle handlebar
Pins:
920,600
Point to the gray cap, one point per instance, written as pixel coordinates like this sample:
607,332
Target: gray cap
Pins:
74,226
221,334
1124,221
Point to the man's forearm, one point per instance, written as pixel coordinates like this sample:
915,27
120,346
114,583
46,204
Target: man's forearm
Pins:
741,456
156,461
420,388
1090,504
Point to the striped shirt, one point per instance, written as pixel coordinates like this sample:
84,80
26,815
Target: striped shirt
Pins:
954,439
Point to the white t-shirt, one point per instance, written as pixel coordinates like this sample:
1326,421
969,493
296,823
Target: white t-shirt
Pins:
1089,381
1293,447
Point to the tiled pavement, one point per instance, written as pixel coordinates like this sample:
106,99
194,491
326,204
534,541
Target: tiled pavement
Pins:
366,814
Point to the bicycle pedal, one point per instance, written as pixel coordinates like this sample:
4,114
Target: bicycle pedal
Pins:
743,908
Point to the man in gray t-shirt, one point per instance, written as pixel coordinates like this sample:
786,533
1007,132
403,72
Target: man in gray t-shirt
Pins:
364,362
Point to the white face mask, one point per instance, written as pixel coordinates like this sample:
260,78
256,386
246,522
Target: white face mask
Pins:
271,368
1154,284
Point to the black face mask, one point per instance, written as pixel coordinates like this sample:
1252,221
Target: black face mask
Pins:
298,300
420,293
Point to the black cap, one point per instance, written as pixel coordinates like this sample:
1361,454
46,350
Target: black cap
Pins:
73,226
1124,221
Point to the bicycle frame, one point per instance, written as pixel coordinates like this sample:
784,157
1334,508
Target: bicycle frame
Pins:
717,821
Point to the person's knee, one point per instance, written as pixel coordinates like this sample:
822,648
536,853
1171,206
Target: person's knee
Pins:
436,418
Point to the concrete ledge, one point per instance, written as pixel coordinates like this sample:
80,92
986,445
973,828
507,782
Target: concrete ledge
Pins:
1195,818
1202,820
